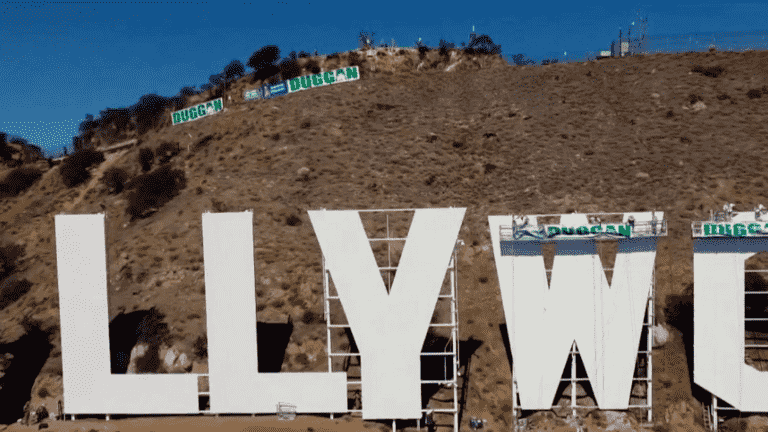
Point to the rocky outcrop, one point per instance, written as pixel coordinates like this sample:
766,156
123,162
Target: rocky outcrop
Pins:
661,335
146,358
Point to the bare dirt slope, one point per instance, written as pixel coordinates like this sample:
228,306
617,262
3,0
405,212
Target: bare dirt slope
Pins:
614,135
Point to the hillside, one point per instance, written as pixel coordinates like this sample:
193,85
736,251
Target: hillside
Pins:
613,135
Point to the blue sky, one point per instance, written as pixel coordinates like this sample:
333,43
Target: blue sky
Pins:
60,61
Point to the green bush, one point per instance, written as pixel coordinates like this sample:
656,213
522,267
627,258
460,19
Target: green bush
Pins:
263,62
355,59
711,71
153,190
200,347
153,329
166,151
312,67
74,169
18,180
115,179
12,289
146,158
289,68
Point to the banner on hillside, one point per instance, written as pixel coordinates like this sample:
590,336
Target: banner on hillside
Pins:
198,111
254,94
322,79
271,90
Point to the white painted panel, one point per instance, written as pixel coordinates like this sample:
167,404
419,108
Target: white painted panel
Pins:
579,305
151,394
235,384
389,329
719,366
82,278
230,301
89,387
525,296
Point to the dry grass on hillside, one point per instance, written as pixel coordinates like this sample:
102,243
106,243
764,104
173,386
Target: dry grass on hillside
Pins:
658,132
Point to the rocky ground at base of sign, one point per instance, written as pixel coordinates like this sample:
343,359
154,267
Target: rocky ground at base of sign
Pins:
205,423
477,137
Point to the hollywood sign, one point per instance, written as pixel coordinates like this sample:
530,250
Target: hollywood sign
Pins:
578,305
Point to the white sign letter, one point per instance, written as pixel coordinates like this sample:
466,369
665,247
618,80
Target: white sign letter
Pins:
89,386
605,321
230,299
389,329
718,320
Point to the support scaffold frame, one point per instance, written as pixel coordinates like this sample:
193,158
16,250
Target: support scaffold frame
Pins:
452,268
648,324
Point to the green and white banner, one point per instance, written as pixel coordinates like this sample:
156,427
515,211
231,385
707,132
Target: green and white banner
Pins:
724,229
197,111
323,79
591,231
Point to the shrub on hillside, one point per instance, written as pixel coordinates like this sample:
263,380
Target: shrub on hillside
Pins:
88,129
153,329
693,98
200,347
153,190
423,50
74,169
483,45
167,150
114,179
9,259
445,48
355,59
312,67
115,120
233,70
289,68
148,112
12,289
263,62
754,93
18,180
146,158
520,60
187,91
303,54
712,71
6,152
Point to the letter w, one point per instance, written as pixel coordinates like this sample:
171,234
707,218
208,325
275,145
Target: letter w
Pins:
579,304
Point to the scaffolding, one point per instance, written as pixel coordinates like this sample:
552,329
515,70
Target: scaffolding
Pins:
643,372
354,385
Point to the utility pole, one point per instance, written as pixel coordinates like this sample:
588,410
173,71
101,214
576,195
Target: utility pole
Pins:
621,50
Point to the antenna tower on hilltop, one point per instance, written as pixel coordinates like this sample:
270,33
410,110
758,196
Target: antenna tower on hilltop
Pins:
472,35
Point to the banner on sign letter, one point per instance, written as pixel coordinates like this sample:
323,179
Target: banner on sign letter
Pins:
389,328
578,305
